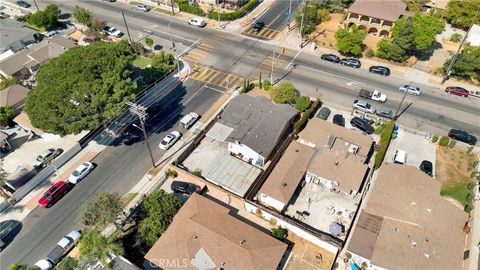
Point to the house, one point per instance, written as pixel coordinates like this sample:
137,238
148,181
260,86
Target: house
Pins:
473,36
377,17
13,96
406,224
15,36
435,5
26,62
116,263
207,235
12,138
253,127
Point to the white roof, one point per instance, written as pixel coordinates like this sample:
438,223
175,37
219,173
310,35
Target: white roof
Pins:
44,264
475,30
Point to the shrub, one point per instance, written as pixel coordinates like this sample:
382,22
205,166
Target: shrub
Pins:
456,37
444,141
272,221
302,103
149,42
198,173
452,144
348,256
185,7
279,233
297,127
434,138
470,149
284,93
384,142
172,173
266,85
370,53
230,16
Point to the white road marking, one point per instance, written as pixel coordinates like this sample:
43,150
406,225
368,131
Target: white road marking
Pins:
167,33
298,53
214,89
330,74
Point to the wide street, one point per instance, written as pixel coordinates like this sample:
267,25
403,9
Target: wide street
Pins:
219,52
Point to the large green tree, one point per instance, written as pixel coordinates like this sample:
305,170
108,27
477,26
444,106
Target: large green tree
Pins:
19,266
404,34
391,51
284,92
82,88
426,27
95,246
350,40
162,63
104,209
6,113
467,65
45,18
157,212
460,13
82,15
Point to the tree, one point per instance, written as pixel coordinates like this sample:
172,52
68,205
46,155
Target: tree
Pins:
460,13
6,82
67,263
426,27
302,103
350,40
6,113
45,18
314,13
82,88
82,15
162,63
467,65
98,24
19,266
104,209
95,246
388,50
157,212
456,37
149,42
404,34
285,92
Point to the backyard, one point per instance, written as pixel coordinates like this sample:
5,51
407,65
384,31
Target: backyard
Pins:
454,169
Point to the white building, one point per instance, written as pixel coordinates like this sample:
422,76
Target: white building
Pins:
473,37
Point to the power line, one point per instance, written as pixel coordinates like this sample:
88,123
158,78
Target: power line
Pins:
140,111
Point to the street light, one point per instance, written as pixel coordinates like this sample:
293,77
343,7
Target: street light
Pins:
174,49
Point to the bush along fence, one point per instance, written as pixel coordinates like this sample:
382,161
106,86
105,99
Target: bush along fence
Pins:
185,7
230,16
298,126
384,143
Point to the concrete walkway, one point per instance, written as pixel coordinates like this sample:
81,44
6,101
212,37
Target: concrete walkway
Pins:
474,249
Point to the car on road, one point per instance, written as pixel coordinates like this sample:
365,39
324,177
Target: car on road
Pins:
23,4
170,140
411,89
44,264
53,194
385,71
373,95
462,136
199,22
457,91
362,124
363,106
400,157
351,62
257,26
8,230
80,172
112,31
330,58
184,187
143,8
46,157
323,113
338,120
385,112
132,134
426,167
63,247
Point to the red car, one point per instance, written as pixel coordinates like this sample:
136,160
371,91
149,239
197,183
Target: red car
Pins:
53,194
456,90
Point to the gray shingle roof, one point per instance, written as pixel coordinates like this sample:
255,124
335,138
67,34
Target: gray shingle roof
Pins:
256,122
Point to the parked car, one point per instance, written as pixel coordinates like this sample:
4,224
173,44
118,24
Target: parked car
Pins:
411,89
362,124
462,136
351,62
63,247
363,106
143,8
80,172
8,230
339,120
427,167
131,135
3,15
330,58
44,264
184,187
257,26
457,91
385,112
197,22
189,119
385,71
51,34
112,31
53,194
170,140
45,157
400,157
373,95
23,4
323,113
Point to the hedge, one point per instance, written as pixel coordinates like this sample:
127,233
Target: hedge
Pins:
185,7
230,16
384,143
297,127
444,141
302,103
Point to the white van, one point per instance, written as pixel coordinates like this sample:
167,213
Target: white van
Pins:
51,34
188,120
400,157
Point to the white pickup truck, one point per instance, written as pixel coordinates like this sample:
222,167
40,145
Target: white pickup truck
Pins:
375,95
189,119
112,31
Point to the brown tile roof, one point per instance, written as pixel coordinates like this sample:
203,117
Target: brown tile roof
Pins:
204,232
418,223
288,172
13,96
17,62
389,10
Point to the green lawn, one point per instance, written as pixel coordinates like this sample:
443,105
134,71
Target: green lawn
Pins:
142,62
164,11
379,129
461,192
39,29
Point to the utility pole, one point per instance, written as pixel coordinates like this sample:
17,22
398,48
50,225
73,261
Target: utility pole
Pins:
274,61
454,58
126,26
400,105
174,50
36,6
140,111
302,23
173,10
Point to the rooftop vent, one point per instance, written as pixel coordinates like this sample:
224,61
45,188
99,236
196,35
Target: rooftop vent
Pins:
243,241
331,141
427,255
336,163
413,203
429,210
195,237
413,243
353,149
284,184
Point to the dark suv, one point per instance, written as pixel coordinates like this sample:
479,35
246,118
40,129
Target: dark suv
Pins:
330,58
462,136
362,124
257,26
385,71
184,187
351,62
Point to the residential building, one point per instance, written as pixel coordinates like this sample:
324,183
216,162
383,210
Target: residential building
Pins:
207,235
377,17
473,36
115,263
253,127
435,5
406,224
13,96
26,62
15,36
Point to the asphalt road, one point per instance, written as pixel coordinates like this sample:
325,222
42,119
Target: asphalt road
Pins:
276,17
119,168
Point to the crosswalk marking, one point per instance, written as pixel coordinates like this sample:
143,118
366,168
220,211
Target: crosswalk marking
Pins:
201,51
265,33
215,77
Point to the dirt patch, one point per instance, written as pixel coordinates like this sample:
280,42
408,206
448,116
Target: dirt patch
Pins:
257,92
324,34
306,255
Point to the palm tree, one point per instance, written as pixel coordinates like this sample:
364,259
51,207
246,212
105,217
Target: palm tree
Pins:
94,246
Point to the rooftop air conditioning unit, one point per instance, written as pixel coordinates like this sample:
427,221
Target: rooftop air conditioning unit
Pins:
353,149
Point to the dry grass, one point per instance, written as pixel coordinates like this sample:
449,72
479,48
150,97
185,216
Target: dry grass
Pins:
306,255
